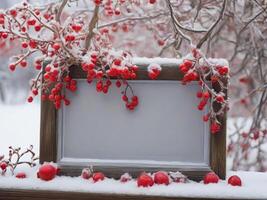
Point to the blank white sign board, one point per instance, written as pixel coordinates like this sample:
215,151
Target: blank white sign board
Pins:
166,129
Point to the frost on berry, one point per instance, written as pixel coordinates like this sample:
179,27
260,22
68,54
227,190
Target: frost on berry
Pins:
153,70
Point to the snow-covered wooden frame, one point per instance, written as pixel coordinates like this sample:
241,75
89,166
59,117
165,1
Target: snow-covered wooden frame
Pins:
49,135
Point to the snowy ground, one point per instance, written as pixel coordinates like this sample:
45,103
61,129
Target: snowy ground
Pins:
254,186
20,127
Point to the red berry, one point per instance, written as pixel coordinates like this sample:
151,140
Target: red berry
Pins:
21,175
12,67
161,178
24,45
33,44
206,118
144,180
56,46
47,172
206,95
118,83
3,165
234,181
125,178
37,28
215,128
188,63
152,1
98,2
30,99
220,99
86,173
117,62
125,98
13,13
4,35
23,63
211,177
35,92
98,176
199,94
31,22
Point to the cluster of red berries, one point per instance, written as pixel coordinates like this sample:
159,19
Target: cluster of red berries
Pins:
190,70
189,73
130,104
115,71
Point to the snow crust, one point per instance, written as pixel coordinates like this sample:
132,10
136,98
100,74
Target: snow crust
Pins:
254,186
174,61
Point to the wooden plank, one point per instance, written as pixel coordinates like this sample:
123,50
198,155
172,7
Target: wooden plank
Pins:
17,194
218,142
48,132
169,72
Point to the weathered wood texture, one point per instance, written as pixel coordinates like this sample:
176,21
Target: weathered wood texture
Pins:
48,137
8,194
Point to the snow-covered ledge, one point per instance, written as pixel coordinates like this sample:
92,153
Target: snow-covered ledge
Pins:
254,186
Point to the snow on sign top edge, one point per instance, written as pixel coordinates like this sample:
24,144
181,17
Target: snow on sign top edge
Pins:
174,61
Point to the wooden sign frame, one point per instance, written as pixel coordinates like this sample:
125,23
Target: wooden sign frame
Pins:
48,134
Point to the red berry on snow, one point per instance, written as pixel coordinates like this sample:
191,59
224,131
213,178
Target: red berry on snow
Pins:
144,180
86,173
21,175
98,176
211,177
234,181
161,178
47,172
125,178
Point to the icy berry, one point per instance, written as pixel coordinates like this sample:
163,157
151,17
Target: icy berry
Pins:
234,181
161,177
215,128
30,99
47,172
98,176
125,178
145,180
86,173
21,175
3,165
211,177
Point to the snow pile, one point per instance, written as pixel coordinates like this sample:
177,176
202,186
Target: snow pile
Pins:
254,186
